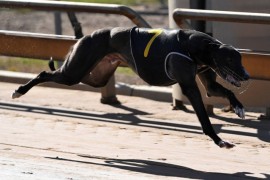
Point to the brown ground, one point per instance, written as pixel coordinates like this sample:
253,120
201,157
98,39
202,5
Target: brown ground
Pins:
56,134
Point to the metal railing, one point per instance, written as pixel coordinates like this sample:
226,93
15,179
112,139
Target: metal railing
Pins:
78,7
180,14
35,45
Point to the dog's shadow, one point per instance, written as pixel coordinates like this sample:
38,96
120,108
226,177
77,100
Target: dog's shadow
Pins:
156,168
251,121
132,118
132,111
262,126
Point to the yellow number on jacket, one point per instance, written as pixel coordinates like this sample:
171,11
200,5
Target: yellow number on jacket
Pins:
156,33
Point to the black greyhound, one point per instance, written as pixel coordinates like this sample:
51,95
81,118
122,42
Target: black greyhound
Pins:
160,57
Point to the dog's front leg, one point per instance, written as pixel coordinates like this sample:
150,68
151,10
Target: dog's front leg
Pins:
193,94
184,71
213,88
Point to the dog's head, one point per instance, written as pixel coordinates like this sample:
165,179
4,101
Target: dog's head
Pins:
226,61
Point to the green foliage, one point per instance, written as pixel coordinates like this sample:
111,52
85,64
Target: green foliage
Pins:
125,71
36,66
23,65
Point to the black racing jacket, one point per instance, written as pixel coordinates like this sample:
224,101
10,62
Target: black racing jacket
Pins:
151,49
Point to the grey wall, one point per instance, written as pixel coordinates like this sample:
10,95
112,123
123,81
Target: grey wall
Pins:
246,36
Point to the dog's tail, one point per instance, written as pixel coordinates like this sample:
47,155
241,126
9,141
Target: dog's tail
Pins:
51,64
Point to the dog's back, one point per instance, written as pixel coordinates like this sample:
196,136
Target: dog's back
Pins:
147,50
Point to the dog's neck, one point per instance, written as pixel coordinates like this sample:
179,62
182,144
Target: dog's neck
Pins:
200,48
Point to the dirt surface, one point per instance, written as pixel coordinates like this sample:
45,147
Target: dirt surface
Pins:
67,134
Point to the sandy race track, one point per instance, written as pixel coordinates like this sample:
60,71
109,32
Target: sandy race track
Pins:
67,134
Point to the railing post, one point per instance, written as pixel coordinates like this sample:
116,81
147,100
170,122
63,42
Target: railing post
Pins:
265,116
200,25
58,28
177,93
108,93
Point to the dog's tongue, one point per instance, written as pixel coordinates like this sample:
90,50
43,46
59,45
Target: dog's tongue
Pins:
233,81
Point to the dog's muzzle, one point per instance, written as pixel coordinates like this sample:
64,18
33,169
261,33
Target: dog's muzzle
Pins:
236,80
233,81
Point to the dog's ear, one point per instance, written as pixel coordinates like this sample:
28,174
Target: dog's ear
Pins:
210,45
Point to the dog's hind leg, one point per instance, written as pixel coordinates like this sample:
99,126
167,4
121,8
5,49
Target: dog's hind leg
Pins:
102,72
41,78
213,88
84,56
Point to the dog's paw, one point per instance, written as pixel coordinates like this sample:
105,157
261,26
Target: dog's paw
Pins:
15,94
240,112
225,144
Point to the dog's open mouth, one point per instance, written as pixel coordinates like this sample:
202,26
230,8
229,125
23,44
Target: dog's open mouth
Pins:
233,81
